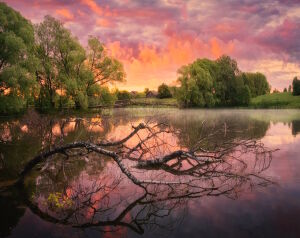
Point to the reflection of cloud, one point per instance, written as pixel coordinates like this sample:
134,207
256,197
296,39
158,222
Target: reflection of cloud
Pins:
95,125
278,135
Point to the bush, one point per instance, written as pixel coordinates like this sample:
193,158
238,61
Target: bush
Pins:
123,95
164,91
105,98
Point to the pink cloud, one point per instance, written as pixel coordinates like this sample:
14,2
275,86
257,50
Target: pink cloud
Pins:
65,13
155,38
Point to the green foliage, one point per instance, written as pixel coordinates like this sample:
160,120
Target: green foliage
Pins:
244,95
225,86
123,95
164,91
61,72
276,100
104,68
45,65
257,83
296,86
65,75
103,97
17,61
206,83
59,201
196,86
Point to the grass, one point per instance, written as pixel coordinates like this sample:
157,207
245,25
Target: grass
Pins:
273,100
276,100
154,102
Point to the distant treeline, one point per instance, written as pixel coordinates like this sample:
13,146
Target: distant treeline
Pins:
45,66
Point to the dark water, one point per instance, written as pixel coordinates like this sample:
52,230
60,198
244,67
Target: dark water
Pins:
87,195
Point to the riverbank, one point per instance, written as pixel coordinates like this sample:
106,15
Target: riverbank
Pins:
276,100
153,102
268,101
272,101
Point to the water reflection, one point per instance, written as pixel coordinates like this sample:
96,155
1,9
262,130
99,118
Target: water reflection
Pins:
295,127
92,192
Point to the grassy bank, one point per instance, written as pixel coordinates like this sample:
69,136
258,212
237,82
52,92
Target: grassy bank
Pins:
276,100
154,102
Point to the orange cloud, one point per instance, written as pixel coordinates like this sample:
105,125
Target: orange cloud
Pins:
97,9
65,13
152,66
105,23
215,48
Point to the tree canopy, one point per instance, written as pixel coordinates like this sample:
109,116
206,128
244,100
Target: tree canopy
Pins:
164,91
205,83
46,66
17,61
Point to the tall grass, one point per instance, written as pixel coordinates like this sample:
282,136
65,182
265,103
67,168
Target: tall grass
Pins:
276,100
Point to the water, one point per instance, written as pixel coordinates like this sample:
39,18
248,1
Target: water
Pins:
87,195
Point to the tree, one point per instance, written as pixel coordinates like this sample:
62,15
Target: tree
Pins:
146,91
284,90
105,69
257,83
290,88
296,86
196,86
62,74
17,61
164,91
226,88
244,96
123,95
103,97
206,83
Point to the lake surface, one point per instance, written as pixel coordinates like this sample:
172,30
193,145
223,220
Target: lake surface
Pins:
87,195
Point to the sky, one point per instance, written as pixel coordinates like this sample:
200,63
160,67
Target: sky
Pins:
153,38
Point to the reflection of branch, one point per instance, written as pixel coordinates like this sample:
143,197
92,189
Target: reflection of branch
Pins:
170,176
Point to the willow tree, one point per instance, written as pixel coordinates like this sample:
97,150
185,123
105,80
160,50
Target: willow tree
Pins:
196,86
62,74
17,61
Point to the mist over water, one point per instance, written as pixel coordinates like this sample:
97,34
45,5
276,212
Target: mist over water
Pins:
96,183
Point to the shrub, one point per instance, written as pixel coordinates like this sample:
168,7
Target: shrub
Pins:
164,91
123,95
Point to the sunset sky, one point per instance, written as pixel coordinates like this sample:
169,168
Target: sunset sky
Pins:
154,38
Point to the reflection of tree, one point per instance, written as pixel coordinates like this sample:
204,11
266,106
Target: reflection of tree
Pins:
295,127
149,180
33,132
233,127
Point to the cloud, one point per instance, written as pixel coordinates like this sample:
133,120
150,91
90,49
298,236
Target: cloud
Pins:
65,13
283,39
154,38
